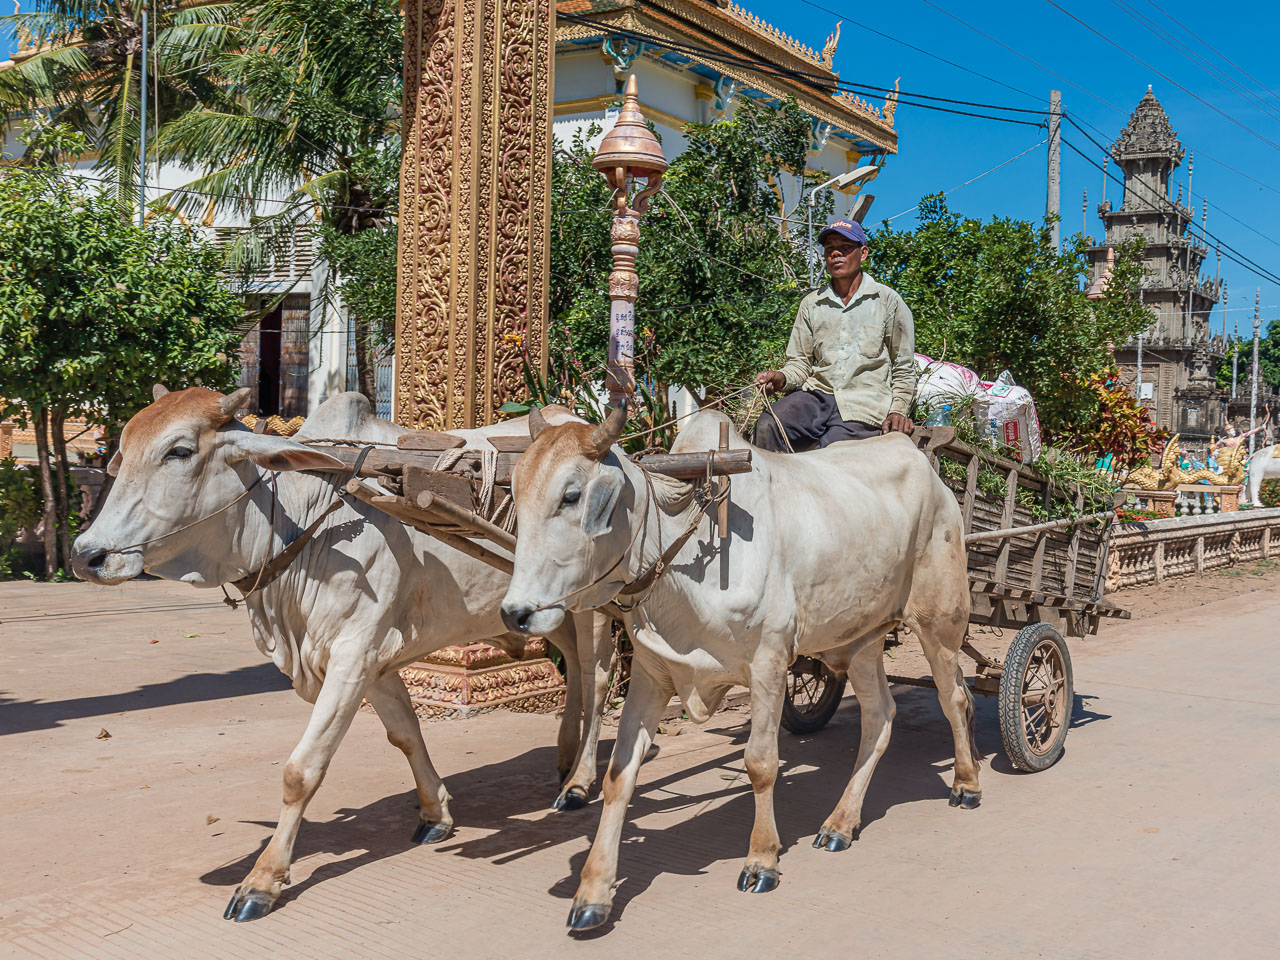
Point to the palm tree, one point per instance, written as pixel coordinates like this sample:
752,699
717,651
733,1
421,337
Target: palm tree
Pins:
81,66
309,114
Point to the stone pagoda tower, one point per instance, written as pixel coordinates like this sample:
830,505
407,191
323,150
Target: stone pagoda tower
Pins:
1179,357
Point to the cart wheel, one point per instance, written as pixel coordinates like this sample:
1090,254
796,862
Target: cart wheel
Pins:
1036,696
812,697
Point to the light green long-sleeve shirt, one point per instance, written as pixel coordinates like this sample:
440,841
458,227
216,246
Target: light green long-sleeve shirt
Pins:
862,352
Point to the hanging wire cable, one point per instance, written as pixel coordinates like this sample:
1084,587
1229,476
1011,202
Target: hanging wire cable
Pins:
823,81
912,46
1016,53
972,179
1248,96
1222,113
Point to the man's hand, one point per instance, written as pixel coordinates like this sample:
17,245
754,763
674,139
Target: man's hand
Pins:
897,423
771,381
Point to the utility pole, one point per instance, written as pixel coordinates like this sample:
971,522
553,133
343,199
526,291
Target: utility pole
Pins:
142,142
1235,358
1052,206
1253,392
1142,302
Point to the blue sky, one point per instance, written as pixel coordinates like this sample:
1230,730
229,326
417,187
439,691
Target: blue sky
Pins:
938,151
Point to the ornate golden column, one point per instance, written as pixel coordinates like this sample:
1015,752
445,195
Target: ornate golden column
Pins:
475,203
471,297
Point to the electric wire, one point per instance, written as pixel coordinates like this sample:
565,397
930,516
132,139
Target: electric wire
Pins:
1023,56
1243,126
822,81
972,179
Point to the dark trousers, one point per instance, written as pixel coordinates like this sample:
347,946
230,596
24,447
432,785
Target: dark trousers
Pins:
810,419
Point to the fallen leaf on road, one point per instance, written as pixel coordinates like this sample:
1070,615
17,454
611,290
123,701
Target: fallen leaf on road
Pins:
155,641
104,734
212,819
188,636
144,787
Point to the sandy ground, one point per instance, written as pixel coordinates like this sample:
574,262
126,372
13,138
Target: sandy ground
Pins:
1157,834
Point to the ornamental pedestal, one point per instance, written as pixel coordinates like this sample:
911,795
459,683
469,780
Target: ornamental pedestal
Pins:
475,678
473,261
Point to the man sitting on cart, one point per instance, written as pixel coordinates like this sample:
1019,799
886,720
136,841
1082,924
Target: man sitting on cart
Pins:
850,369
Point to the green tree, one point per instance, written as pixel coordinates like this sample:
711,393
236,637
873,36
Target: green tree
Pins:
717,264
1268,358
310,113
93,311
86,72
994,295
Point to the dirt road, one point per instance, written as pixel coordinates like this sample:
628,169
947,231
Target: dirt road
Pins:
1157,835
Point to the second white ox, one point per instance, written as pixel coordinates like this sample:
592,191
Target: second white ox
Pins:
200,499
1263,465
828,551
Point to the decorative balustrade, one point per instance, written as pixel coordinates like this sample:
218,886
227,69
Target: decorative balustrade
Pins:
1185,546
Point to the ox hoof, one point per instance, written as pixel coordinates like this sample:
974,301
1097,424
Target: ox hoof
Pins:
575,798
966,799
429,832
834,840
588,917
249,905
757,880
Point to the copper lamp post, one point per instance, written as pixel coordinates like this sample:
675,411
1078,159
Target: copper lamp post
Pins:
629,152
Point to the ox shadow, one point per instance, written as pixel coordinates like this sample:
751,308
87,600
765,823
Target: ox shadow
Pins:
24,716
714,822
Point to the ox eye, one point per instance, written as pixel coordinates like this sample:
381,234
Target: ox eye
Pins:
179,453
570,498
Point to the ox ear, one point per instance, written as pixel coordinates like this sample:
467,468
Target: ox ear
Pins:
279,453
158,390
601,498
537,422
605,435
113,467
232,402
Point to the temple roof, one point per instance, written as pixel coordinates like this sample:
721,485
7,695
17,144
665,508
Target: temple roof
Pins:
1148,134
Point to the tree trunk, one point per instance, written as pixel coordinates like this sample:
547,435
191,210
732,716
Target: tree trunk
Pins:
366,376
62,473
50,498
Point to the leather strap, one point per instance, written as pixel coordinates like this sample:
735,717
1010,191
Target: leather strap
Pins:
273,568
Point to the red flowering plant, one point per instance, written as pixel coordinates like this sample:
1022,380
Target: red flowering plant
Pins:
1121,425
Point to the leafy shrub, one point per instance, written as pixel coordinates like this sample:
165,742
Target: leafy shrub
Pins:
20,508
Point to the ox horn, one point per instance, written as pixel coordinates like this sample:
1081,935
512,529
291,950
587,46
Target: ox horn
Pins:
605,435
158,390
537,422
232,402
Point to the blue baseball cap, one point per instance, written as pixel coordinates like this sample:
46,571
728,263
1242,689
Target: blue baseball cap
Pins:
849,229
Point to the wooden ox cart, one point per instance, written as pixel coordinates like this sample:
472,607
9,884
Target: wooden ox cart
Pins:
1029,571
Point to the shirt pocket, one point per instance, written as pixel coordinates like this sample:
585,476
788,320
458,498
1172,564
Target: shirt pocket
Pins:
871,334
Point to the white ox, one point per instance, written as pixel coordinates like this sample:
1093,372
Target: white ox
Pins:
1264,465
192,502
828,551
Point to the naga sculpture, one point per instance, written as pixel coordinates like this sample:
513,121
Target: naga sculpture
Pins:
1231,457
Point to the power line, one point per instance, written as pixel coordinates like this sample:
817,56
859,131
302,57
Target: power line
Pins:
973,179
1253,133
1231,84
911,46
822,81
1016,53
1215,50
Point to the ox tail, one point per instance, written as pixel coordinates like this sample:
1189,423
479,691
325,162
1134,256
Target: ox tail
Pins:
971,715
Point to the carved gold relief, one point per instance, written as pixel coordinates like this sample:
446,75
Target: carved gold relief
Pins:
475,207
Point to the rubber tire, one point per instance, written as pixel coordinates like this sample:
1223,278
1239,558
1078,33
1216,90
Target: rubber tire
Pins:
1010,698
817,717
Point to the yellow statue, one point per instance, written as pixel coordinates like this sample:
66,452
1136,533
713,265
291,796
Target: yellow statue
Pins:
1231,457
